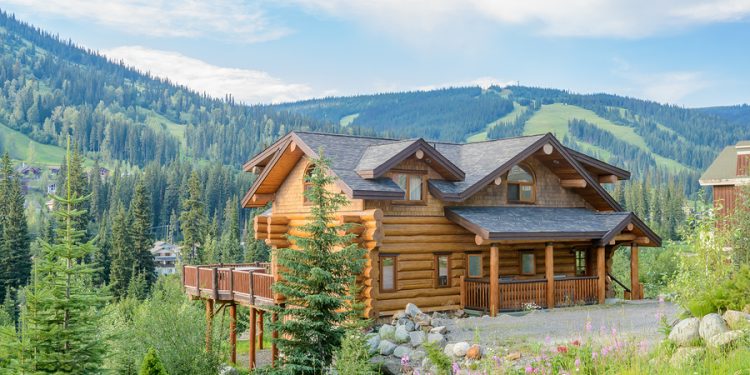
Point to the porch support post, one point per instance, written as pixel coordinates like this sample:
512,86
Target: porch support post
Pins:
233,333
260,329
209,322
274,335
251,339
601,273
549,271
635,292
494,279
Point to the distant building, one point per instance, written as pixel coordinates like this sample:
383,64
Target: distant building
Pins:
54,171
166,256
29,172
103,172
52,188
727,174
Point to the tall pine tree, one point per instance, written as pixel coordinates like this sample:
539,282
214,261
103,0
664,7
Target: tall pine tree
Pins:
193,222
317,281
140,211
15,257
231,250
122,254
62,314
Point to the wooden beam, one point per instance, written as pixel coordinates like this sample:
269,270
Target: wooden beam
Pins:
274,336
419,154
642,240
233,333
293,146
480,241
251,339
209,323
494,279
549,273
547,149
498,180
601,273
260,329
257,170
607,179
577,183
262,198
630,227
634,282
625,237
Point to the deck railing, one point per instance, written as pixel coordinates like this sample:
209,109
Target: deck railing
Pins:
234,282
515,294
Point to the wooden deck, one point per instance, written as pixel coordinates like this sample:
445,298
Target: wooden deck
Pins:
244,284
514,294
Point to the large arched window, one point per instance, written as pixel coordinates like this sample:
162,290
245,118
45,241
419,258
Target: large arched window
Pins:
521,185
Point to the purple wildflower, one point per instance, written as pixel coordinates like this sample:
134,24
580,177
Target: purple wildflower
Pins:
578,363
405,360
588,326
529,369
456,368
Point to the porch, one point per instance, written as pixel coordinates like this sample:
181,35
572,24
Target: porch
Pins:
514,295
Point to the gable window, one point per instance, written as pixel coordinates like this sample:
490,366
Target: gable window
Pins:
580,262
306,183
442,270
474,262
528,263
521,187
388,272
412,184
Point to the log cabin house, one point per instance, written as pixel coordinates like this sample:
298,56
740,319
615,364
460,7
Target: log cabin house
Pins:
726,175
490,226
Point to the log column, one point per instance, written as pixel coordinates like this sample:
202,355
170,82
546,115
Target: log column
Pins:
494,279
209,322
635,286
260,329
251,339
601,273
549,272
274,335
233,334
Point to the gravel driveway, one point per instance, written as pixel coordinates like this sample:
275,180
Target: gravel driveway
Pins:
640,319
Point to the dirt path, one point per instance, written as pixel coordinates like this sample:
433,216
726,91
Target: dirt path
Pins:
639,319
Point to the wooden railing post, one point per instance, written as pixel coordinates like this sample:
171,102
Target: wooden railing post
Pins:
231,284
215,276
635,291
251,339
252,284
549,268
463,291
183,276
198,280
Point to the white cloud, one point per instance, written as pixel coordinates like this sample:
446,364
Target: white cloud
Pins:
671,87
483,82
218,19
572,18
249,86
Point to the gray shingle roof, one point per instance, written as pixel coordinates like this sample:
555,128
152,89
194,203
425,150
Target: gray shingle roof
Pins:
723,170
379,154
505,222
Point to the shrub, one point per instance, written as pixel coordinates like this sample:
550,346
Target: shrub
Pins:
731,293
152,364
353,357
436,356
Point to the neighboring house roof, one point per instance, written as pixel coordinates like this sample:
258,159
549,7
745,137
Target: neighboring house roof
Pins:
554,223
360,164
723,171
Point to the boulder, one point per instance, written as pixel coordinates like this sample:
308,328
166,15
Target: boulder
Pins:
386,347
373,340
513,356
386,331
711,325
737,319
417,356
459,313
406,323
746,309
412,310
422,319
401,335
399,315
684,357
724,341
228,370
460,349
448,350
474,352
685,333
416,338
437,339
441,330
401,351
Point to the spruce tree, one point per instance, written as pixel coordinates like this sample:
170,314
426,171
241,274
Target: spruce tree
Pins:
193,221
140,211
122,255
73,178
62,314
231,250
255,250
15,256
101,258
316,281
152,364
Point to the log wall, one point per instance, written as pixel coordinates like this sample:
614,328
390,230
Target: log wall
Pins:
290,197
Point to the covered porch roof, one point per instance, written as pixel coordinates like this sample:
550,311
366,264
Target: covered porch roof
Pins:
534,224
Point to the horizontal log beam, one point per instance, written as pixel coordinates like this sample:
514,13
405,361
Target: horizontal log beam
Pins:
607,179
577,183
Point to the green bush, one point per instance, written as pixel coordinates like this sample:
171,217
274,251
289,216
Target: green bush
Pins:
353,357
436,356
152,364
732,293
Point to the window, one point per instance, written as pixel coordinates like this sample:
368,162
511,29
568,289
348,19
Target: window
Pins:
443,270
580,262
307,185
475,265
412,184
388,271
528,263
521,187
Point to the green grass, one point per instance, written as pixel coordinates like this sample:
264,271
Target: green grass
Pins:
482,136
348,119
159,122
22,148
554,118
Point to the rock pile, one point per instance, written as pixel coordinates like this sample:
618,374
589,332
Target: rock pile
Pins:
713,330
410,329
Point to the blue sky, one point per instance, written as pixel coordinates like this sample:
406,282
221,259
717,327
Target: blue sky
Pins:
685,52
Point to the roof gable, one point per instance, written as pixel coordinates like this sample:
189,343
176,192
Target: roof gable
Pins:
379,159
